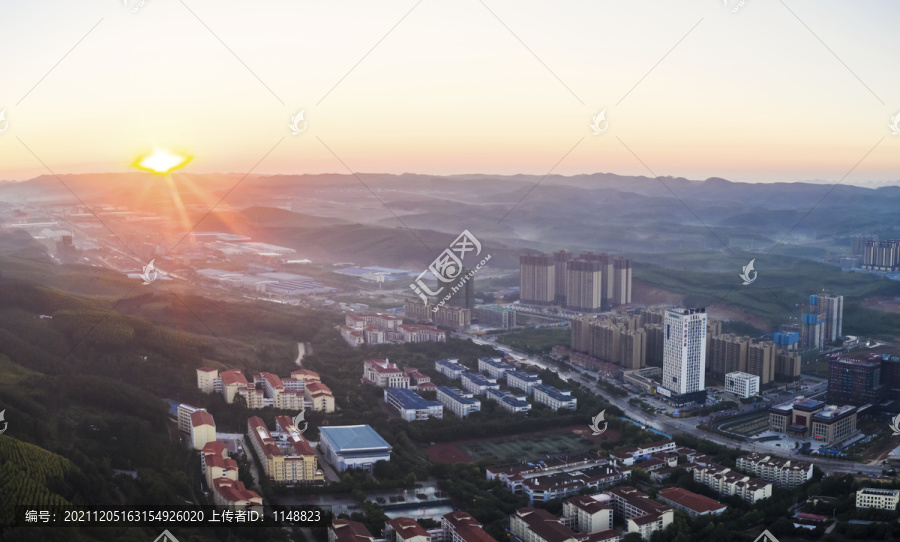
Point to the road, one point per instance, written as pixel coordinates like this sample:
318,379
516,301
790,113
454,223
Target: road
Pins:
674,426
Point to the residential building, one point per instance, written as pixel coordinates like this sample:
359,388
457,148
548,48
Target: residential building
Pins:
234,495
203,429
458,402
787,365
215,463
539,525
690,503
643,514
233,383
588,514
522,380
873,497
319,396
276,394
183,412
537,279
421,334
384,374
855,381
450,368
561,264
459,526
411,405
353,447
584,286
345,530
882,255
781,472
833,307
684,358
554,398
725,481
822,320
513,476
496,368
405,530
630,456
509,401
448,315
743,385
206,379
285,455
477,383
616,338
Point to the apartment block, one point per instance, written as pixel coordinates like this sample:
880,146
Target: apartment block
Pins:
554,398
587,514
509,401
725,481
458,402
643,514
522,380
477,383
411,405
286,456
781,472
495,367
450,367
384,374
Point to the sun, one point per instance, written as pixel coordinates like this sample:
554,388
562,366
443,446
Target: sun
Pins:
161,161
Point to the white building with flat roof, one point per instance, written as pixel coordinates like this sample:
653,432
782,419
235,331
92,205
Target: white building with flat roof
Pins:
743,385
457,401
873,497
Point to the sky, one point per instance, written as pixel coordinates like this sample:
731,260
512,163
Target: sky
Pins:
755,91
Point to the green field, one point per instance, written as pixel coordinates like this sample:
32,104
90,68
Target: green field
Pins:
536,341
533,448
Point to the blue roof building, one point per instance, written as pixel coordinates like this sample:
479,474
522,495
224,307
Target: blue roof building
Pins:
353,446
411,405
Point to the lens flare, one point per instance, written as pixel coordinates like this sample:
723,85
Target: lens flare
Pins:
161,161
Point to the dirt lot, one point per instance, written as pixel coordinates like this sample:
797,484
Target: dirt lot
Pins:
883,304
454,452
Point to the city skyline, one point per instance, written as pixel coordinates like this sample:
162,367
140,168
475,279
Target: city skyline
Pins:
404,89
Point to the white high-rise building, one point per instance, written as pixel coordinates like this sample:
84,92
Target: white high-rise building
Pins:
684,356
833,305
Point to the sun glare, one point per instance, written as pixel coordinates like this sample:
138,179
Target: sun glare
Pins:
161,161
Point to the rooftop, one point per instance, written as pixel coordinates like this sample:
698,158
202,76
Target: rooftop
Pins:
690,500
407,528
202,417
409,399
354,437
559,395
522,375
458,395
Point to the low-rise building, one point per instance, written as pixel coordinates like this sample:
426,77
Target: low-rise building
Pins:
411,405
539,525
873,497
509,401
787,473
554,398
477,384
588,514
742,384
418,380
560,485
232,494
345,530
353,447
513,476
459,526
523,380
215,463
642,514
384,374
690,503
458,402
405,530
450,367
203,429
319,396
725,481
494,367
